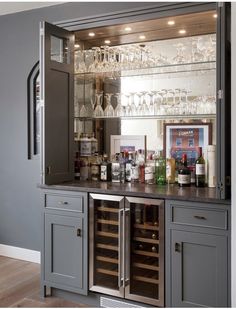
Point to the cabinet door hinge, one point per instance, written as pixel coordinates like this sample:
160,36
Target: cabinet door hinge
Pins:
48,170
220,186
41,31
220,94
220,4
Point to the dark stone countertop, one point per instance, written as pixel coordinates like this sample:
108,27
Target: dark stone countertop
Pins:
167,192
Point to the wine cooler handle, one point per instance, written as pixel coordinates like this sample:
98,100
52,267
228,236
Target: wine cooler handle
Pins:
177,247
121,251
127,248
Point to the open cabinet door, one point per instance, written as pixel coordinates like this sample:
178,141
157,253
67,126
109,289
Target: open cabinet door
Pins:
57,106
223,99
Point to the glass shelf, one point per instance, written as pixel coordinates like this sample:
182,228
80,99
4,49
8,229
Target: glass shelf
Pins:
159,117
192,67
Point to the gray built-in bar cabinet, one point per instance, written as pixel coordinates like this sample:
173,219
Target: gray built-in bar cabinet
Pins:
108,244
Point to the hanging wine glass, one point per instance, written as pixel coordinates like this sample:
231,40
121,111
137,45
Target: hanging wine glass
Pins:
139,107
109,110
144,106
118,109
132,104
151,103
83,111
98,112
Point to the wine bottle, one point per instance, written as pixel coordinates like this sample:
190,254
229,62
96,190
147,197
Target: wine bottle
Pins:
184,174
200,170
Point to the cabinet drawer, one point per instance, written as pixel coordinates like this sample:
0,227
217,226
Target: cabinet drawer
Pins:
198,216
65,202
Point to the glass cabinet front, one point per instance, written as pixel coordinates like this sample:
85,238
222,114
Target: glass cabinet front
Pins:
155,79
145,251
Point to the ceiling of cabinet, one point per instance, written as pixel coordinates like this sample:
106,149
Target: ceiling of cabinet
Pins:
150,30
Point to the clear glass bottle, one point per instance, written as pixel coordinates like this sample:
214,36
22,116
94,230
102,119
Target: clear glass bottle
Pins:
150,170
160,169
184,174
128,167
135,169
85,145
115,169
122,167
105,169
95,168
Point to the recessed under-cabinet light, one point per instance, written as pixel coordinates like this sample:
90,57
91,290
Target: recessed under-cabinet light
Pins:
91,34
182,31
107,41
215,15
128,28
142,37
171,22
77,46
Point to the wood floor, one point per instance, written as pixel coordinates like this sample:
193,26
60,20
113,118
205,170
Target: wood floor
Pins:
20,286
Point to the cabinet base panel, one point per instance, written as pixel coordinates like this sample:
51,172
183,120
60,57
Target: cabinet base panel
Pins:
94,299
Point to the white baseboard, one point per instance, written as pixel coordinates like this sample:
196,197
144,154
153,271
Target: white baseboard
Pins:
20,253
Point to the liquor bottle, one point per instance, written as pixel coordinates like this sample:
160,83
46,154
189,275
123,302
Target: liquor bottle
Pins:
77,166
149,170
122,167
200,170
184,174
95,168
115,169
211,166
160,169
105,169
128,166
170,170
135,169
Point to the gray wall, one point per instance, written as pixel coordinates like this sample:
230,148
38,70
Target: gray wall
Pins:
19,50
233,155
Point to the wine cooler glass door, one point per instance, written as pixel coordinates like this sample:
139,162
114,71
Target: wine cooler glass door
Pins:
106,244
144,271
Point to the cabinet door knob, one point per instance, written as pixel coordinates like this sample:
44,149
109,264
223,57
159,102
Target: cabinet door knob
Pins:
199,217
78,232
177,247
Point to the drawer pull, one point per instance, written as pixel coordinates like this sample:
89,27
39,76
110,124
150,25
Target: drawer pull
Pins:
63,203
200,217
177,247
78,232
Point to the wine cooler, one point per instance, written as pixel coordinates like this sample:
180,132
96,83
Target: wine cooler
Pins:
127,247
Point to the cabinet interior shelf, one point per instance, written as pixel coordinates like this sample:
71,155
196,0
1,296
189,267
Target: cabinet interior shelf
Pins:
160,117
107,209
146,253
108,247
106,259
146,227
109,222
107,272
146,266
146,240
144,279
106,234
190,67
